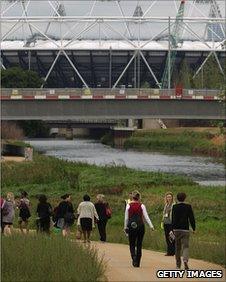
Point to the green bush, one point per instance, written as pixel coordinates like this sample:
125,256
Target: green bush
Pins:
48,259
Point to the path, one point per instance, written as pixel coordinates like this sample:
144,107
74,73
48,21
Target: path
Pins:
119,264
12,159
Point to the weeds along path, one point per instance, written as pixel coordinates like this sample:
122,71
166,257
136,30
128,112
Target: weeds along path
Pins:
119,266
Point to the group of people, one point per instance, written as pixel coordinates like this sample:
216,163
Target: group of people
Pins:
176,220
62,216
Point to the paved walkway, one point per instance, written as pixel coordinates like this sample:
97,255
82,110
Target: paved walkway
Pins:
119,264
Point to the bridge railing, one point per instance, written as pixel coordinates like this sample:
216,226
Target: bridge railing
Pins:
96,92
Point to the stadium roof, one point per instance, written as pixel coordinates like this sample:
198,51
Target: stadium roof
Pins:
109,20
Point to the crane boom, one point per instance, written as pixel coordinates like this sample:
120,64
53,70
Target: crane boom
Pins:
175,38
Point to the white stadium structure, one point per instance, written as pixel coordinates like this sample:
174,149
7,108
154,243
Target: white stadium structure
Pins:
106,43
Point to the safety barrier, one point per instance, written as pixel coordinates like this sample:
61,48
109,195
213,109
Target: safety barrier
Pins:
106,93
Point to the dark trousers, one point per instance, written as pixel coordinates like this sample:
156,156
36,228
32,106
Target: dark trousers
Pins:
182,246
43,225
170,245
102,229
135,243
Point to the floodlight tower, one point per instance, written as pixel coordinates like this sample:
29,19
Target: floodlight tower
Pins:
174,39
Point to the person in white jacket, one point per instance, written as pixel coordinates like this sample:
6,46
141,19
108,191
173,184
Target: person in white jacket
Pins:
135,215
86,217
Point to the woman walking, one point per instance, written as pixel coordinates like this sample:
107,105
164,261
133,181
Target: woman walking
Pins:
8,214
44,211
104,213
65,214
135,214
167,223
24,212
87,215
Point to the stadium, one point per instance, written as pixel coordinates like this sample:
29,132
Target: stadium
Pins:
109,44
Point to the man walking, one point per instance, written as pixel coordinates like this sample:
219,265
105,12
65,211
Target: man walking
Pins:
182,216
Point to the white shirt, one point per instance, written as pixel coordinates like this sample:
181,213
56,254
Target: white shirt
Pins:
87,209
145,214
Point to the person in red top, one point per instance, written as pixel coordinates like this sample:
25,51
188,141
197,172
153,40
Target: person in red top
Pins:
135,214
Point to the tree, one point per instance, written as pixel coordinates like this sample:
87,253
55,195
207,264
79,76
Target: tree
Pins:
34,128
182,75
18,78
210,77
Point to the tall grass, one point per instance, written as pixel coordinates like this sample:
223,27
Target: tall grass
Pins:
45,170
40,258
187,142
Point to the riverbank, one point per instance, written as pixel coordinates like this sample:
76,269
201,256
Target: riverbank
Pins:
204,142
55,177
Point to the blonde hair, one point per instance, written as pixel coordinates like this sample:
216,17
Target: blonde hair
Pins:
168,193
10,196
100,198
136,195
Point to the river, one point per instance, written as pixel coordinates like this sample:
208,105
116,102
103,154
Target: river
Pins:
201,169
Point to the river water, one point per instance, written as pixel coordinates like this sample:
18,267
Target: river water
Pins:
201,169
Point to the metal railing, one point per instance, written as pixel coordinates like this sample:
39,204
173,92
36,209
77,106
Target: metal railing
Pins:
107,91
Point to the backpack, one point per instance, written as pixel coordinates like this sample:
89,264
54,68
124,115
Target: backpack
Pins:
24,210
135,216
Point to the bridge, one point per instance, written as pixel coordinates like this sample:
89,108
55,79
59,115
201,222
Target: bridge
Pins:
122,103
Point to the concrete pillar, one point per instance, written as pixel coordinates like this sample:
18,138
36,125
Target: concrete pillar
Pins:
61,132
149,123
69,133
120,135
171,123
81,132
131,122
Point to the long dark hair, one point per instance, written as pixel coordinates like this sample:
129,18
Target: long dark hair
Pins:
42,199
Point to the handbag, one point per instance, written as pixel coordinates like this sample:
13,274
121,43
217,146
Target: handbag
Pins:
108,212
171,237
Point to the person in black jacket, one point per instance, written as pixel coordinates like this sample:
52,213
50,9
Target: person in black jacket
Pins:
65,214
44,211
101,208
182,217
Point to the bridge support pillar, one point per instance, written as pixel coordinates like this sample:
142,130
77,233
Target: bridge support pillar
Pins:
120,134
130,122
150,123
81,132
69,133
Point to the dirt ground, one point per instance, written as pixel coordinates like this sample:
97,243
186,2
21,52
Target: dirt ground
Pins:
12,159
119,266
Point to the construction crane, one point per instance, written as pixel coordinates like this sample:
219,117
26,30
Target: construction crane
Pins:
175,37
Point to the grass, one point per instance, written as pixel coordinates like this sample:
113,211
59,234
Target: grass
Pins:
55,177
185,142
40,258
